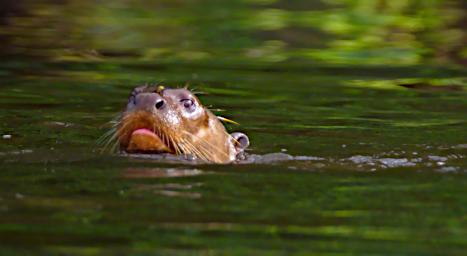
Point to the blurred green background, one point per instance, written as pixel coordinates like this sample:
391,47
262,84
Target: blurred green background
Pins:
376,32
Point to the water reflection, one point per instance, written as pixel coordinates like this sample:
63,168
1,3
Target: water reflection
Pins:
182,190
160,172
170,189
451,84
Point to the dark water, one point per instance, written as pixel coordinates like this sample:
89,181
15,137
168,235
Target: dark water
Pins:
368,96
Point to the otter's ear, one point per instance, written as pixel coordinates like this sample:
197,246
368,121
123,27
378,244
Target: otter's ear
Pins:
240,141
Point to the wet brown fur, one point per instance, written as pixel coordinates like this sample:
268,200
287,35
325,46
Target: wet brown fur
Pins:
204,137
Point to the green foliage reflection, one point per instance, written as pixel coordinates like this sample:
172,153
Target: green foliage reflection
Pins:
396,32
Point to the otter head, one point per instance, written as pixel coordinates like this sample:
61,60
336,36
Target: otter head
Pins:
159,120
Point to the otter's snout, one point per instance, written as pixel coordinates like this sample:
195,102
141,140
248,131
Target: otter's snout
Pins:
149,102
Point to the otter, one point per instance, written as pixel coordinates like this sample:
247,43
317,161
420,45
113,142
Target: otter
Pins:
173,120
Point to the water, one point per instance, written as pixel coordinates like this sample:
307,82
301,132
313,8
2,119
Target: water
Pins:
358,146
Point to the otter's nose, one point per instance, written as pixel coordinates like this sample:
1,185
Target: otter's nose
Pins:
149,101
160,104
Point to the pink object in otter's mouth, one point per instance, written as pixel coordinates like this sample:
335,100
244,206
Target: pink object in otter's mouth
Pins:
144,140
144,131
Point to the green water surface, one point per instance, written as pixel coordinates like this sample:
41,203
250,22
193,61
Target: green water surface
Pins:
370,95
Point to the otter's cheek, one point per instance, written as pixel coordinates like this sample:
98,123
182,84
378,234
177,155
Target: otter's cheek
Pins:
171,118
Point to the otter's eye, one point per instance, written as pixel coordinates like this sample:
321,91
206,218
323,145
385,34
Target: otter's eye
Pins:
188,104
132,100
